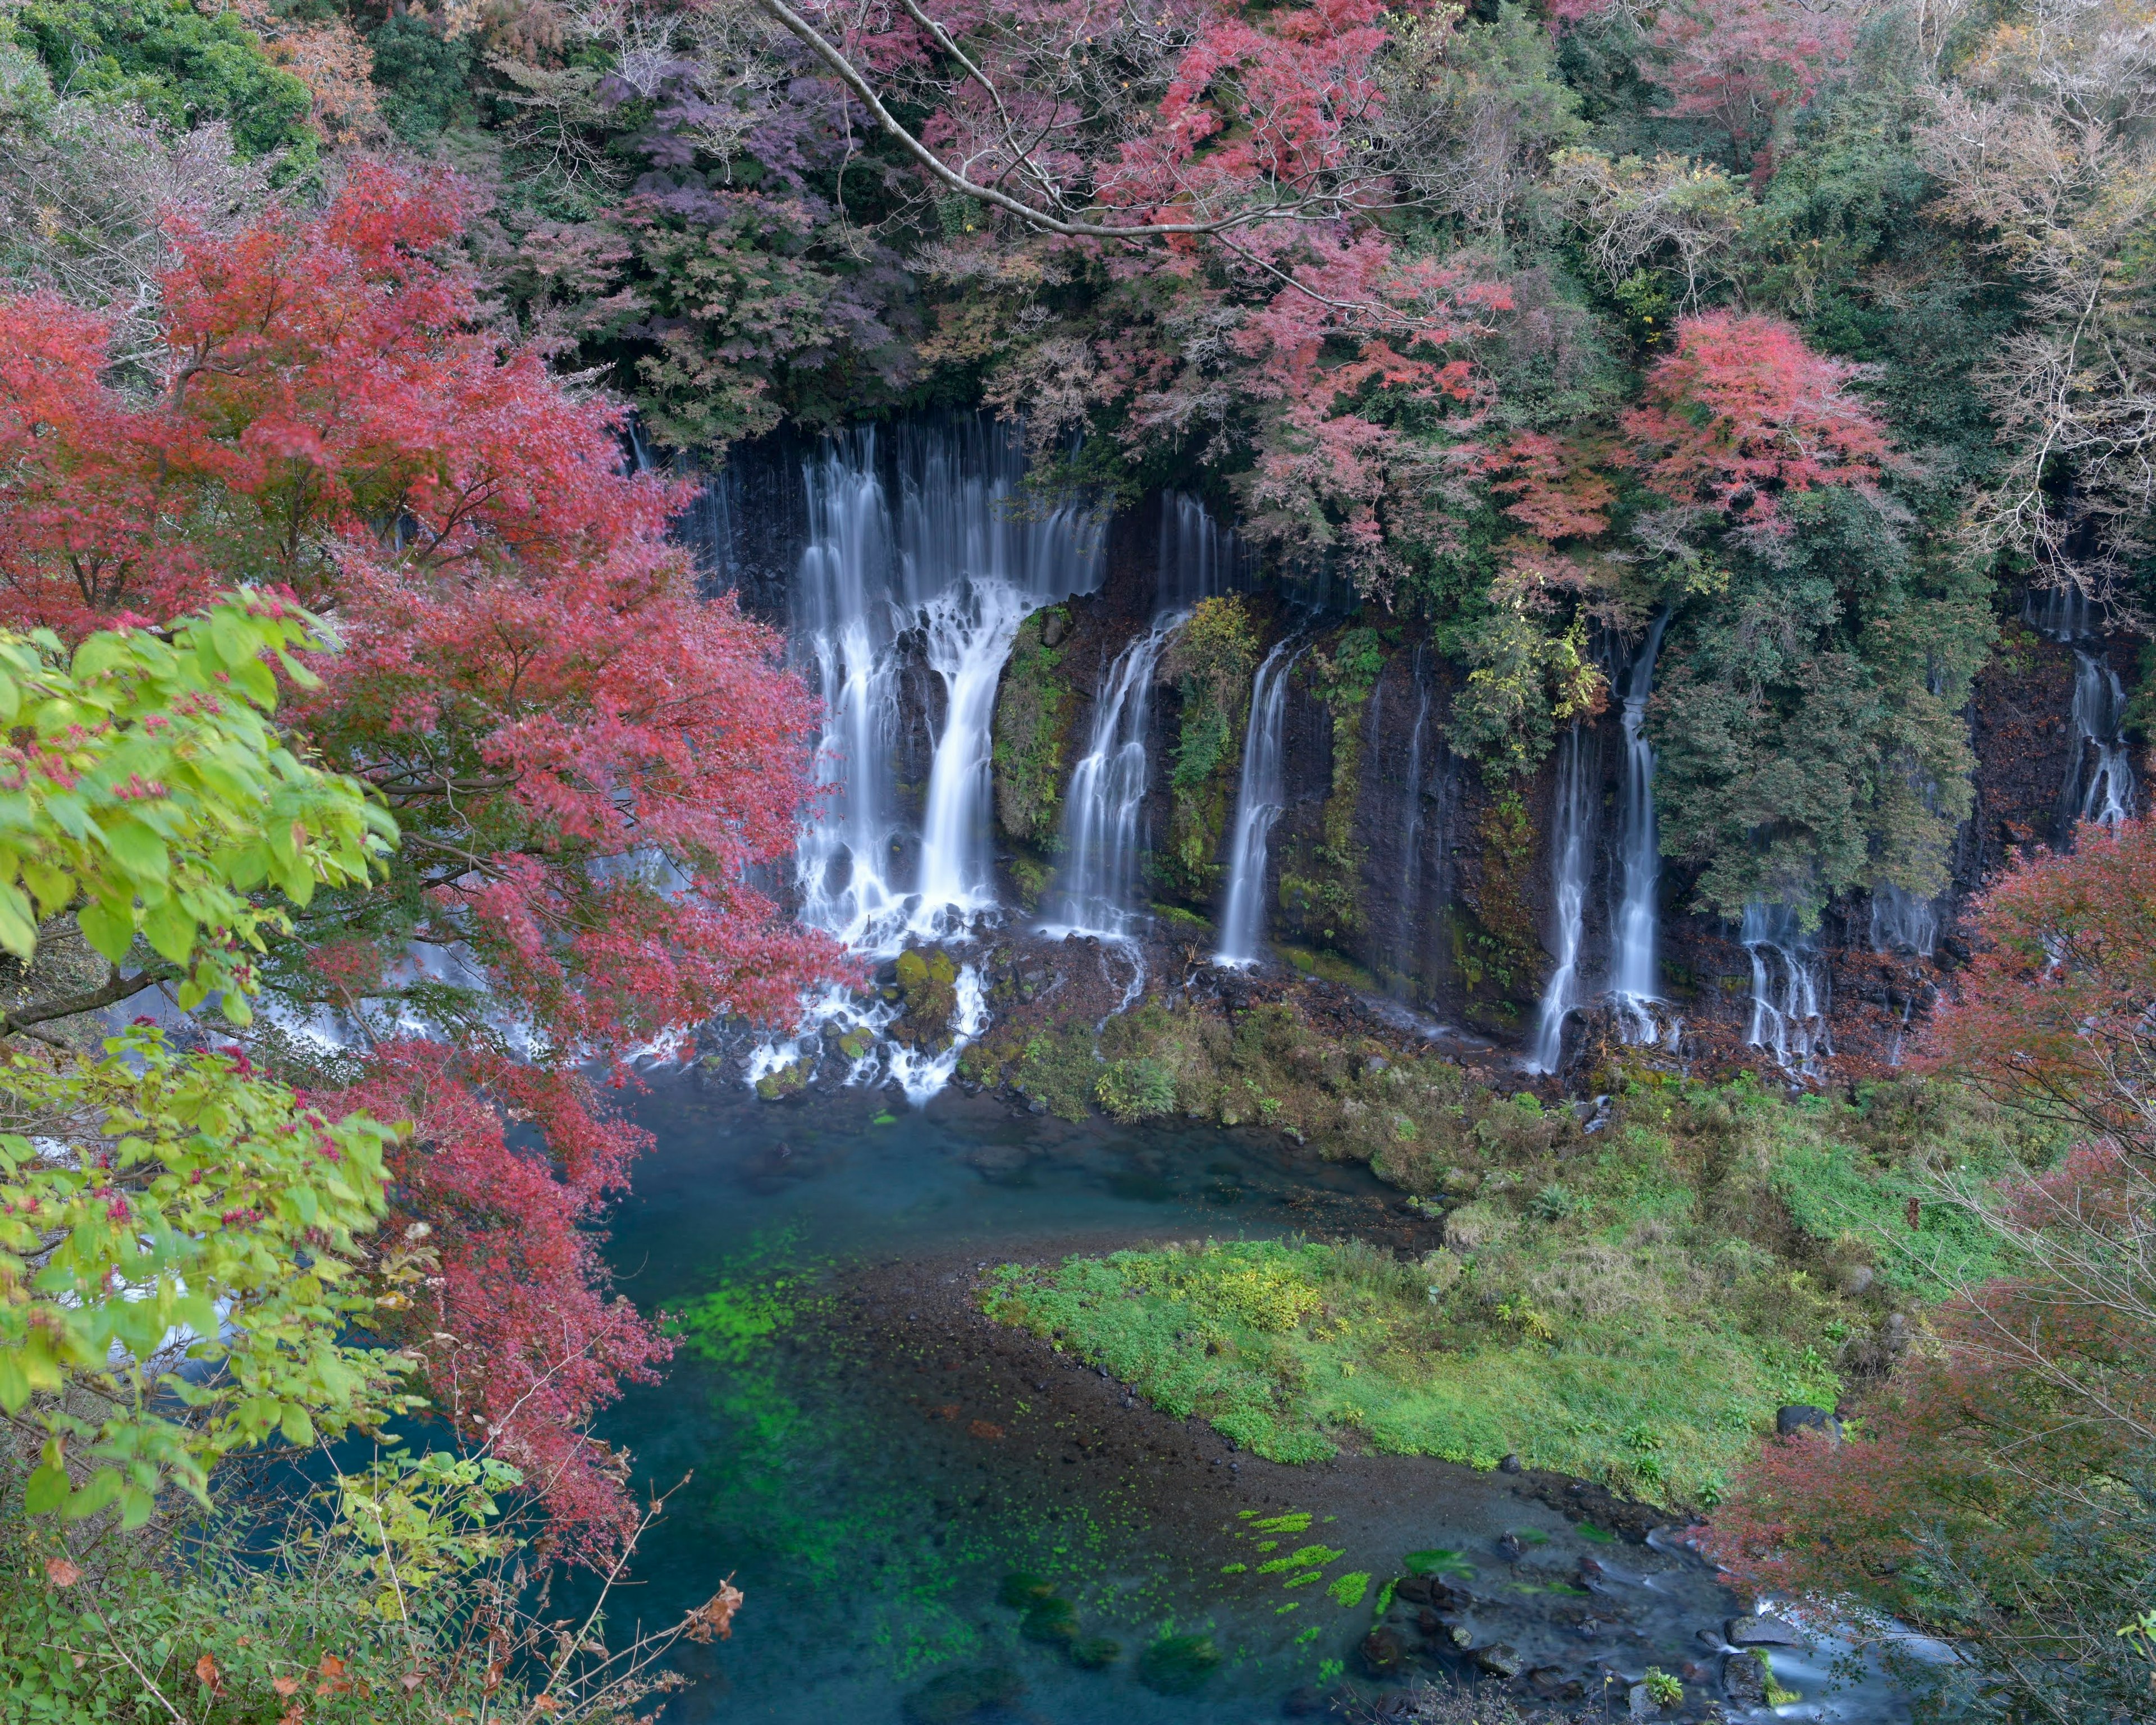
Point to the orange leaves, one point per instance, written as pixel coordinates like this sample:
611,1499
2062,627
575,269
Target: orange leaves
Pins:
1555,493
61,1573
206,1675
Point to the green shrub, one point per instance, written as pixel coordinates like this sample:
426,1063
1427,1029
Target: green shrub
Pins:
182,67
1135,1089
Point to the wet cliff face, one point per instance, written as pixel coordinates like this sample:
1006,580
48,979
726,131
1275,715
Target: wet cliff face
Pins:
1395,867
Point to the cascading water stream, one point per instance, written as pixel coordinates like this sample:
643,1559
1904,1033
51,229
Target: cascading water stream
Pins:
2100,785
1789,988
1410,899
956,561
1258,801
954,565
1634,978
1106,805
1578,786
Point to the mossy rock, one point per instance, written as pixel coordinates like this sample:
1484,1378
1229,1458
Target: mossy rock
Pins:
913,970
1095,1653
1177,1664
1021,1591
787,1080
958,1696
1050,1619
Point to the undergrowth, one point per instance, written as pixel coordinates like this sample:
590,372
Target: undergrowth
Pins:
1631,1303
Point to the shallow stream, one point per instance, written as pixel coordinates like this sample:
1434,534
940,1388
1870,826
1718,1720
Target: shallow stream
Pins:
873,1463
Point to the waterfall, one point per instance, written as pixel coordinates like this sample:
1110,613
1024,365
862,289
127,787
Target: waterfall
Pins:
1198,557
1634,979
1106,804
2100,777
958,561
1410,899
1579,788
1789,988
1900,921
1257,805
843,617
2100,785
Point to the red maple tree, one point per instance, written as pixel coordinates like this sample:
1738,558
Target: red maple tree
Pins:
1989,1491
1742,414
588,761
1742,64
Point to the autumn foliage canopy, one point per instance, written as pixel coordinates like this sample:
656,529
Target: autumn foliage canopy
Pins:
586,758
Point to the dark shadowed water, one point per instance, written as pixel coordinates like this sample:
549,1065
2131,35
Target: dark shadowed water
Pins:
870,1462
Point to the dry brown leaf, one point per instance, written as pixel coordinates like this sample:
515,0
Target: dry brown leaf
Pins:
206,1674
285,1685
714,1619
61,1573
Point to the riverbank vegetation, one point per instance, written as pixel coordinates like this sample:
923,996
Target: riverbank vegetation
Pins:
1632,1303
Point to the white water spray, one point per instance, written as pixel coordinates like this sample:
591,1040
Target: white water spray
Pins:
1105,809
1257,805
1578,786
1789,988
1635,979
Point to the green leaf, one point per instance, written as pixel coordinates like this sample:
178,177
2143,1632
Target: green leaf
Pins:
46,1491
138,849
108,932
18,929
171,930
296,1426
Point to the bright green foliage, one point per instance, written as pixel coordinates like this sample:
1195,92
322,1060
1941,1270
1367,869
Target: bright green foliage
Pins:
275,1608
158,1205
181,66
153,796
1135,1089
1642,1331
172,1225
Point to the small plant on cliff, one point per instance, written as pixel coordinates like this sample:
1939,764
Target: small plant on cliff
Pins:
1212,658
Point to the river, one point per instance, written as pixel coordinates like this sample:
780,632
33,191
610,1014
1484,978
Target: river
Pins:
879,1469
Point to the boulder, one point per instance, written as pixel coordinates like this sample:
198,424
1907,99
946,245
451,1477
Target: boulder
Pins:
1744,1680
1383,1653
1499,1661
1763,1632
1799,1417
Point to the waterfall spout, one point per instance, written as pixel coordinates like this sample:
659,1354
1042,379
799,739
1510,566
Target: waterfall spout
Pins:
1257,805
1635,979
1198,557
1578,793
1789,988
1104,812
844,619
1900,921
2100,783
957,560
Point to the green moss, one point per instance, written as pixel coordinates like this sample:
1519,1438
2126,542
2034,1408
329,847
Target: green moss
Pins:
1178,1664
1034,705
1496,947
1321,890
1643,1331
1212,658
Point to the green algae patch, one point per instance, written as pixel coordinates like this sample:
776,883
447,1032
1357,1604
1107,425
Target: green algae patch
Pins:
1177,1664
